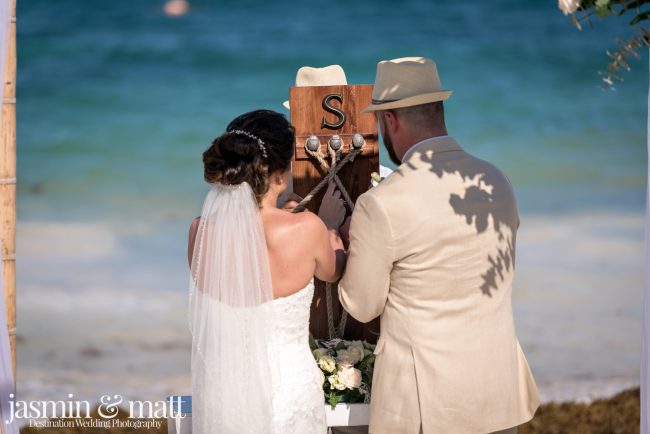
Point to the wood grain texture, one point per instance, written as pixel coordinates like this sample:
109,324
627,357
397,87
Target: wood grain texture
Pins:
8,186
307,114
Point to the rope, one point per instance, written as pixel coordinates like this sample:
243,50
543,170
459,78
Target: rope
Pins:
331,331
332,169
350,157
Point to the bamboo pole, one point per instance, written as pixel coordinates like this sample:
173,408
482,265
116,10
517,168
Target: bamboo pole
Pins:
8,185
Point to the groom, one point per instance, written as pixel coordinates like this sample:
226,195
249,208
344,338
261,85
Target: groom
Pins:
432,251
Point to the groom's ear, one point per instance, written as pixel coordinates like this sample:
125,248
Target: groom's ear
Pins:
391,120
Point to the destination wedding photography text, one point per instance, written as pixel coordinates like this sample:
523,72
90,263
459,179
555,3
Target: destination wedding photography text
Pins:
108,408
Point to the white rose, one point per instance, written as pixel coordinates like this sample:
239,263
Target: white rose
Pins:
355,344
322,377
568,6
327,363
357,353
345,358
350,377
335,382
319,352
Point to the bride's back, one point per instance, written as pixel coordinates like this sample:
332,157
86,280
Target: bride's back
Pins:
292,241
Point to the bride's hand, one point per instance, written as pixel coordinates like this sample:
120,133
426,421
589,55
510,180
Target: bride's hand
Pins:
332,209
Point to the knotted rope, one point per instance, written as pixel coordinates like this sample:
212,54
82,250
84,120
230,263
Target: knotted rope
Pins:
332,174
332,168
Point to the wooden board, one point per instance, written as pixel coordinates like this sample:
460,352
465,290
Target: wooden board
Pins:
307,115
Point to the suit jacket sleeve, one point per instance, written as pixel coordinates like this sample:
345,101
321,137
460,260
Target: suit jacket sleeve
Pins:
363,290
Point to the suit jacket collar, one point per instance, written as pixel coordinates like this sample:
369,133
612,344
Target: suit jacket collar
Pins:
435,144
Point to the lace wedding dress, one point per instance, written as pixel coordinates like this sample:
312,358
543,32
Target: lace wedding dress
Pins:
298,403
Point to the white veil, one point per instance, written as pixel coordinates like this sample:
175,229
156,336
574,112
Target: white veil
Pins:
229,316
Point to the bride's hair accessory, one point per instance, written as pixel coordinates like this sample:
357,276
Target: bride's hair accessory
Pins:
251,136
251,147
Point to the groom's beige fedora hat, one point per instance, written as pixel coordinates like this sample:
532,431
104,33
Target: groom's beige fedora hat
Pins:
332,75
406,82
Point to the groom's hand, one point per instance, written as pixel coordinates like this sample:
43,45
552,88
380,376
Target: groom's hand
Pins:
332,209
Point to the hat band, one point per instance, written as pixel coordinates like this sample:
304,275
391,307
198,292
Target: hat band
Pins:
386,101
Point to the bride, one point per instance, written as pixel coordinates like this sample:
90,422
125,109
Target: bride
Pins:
251,286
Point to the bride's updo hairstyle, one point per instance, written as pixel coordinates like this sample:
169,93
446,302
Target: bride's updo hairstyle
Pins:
254,145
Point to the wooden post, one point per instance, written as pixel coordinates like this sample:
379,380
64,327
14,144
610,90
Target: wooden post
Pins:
314,111
8,185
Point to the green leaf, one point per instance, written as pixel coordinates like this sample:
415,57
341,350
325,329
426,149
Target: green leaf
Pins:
334,399
635,4
641,17
312,342
603,8
341,346
369,360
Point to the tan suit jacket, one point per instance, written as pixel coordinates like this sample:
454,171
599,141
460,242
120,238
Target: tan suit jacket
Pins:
432,250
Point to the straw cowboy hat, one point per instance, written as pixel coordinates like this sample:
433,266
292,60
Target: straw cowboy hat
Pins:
406,82
331,75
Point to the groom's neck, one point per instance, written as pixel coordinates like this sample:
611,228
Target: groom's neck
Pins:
420,135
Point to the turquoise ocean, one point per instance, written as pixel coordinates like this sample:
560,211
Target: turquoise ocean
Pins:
117,101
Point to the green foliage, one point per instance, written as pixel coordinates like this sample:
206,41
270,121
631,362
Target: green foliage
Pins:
603,8
625,48
341,346
641,17
312,342
334,398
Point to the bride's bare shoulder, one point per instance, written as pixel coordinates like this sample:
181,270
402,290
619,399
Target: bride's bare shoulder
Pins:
300,226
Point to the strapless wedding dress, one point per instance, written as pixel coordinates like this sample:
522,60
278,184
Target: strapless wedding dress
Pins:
298,403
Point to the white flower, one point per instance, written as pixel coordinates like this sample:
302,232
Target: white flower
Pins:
322,378
334,381
375,179
350,377
355,344
345,358
327,363
319,352
356,352
568,6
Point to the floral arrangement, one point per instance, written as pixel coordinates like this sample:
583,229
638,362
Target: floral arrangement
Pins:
345,368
